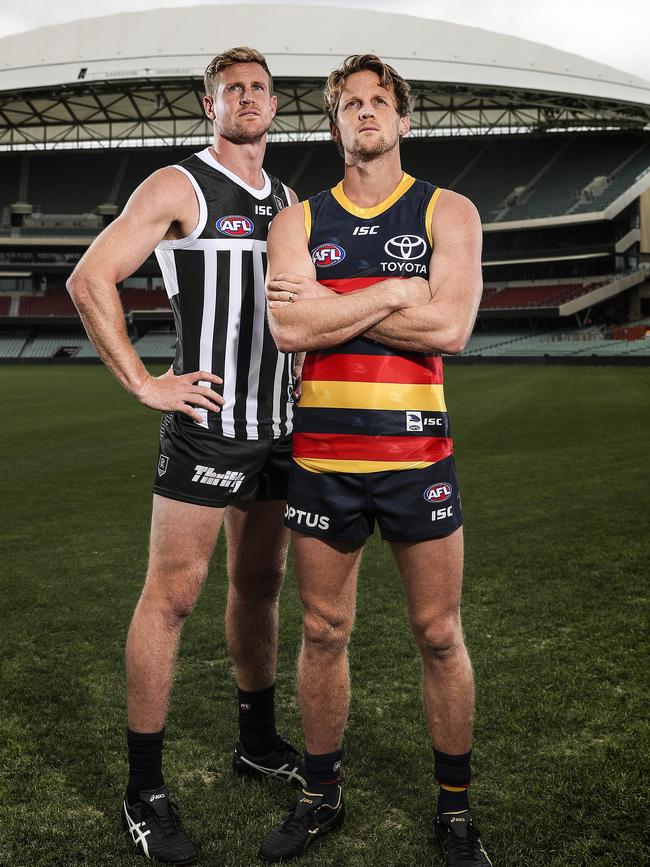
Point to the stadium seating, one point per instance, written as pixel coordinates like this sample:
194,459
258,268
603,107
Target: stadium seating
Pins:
48,346
144,299
156,345
11,345
508,177
536,295
55,302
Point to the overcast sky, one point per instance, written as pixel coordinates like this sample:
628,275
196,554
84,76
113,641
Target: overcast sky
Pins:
616,32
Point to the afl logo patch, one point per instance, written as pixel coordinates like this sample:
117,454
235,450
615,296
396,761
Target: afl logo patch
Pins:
235,226
438,493
406,247
327,254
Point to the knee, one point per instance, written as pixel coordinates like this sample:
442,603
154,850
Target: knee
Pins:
439,637
326,632
258,585
174,596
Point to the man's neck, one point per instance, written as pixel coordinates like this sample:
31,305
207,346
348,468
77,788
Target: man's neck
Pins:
243,160
370,182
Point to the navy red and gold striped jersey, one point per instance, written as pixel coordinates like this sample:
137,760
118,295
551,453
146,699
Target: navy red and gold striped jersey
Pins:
366,407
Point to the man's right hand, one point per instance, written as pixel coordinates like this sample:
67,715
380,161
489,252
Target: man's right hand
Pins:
180,393
410,292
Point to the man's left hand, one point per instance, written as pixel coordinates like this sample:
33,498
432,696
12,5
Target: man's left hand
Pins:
287,288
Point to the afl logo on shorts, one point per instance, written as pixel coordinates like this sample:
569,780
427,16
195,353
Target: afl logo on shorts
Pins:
235,227
327,254
438,493
406,247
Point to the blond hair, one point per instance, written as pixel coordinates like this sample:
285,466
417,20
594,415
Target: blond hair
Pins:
241,54
360,63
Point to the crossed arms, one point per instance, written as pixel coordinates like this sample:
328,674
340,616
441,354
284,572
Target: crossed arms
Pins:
409,314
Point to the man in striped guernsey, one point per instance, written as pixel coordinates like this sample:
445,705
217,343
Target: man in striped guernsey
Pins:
375,278
225,435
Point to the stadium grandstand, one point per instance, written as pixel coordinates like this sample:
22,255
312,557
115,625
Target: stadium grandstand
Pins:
554,150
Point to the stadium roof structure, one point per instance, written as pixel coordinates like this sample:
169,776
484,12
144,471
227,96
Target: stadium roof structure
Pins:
136,78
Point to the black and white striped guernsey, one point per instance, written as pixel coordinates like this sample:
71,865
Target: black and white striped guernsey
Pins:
215,282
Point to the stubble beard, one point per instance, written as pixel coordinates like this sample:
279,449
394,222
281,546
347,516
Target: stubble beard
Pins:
367,152
243,133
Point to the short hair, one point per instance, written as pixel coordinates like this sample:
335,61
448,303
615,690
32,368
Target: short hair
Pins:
360,63
240,54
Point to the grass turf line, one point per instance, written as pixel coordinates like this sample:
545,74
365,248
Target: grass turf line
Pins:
552,464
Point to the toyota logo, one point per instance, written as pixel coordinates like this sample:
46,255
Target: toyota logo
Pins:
406,247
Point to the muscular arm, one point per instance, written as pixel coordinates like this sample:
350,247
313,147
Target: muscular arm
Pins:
328,319
446,322
162,203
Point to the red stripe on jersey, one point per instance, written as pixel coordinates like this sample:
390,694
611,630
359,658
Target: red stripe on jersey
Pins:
349,367
351,284
370,448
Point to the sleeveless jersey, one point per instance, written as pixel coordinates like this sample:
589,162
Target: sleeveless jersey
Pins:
366,407
215,282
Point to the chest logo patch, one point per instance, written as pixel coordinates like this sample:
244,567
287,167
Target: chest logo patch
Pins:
326,255
235,226
406,247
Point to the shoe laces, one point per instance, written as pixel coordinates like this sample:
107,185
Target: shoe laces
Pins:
468,847
170,822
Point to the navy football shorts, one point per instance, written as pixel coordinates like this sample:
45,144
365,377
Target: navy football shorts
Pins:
199,466
408,505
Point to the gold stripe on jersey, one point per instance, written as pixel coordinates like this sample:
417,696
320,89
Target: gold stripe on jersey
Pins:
322,465
367,213
373,395
307,209
429,214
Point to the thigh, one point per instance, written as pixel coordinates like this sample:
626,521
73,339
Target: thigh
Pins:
257,543
432,573
326,574
183,536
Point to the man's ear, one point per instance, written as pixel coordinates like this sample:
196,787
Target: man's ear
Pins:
208,107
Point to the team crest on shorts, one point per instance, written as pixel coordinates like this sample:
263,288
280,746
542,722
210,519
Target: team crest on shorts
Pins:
163,461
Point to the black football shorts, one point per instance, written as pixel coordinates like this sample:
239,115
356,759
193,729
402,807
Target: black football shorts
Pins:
199,466
408,505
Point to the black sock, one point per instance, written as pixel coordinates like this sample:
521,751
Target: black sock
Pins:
257,732
323,775
145,762
453,775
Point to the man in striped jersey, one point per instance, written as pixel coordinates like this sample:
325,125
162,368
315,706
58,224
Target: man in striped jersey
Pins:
372,440
225,434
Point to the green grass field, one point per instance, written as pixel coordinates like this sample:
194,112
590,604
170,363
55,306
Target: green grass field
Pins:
553,469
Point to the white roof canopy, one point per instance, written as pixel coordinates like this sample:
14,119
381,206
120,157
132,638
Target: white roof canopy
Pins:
139,74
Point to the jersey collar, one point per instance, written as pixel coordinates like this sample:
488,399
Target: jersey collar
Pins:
264,193
366,213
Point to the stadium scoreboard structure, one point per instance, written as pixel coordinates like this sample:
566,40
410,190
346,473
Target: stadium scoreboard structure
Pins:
553,148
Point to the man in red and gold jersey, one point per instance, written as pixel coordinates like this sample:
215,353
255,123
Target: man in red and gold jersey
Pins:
375,279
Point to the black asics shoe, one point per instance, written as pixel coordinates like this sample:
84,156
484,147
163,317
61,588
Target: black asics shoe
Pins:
155,828
283,762
309,819
460,840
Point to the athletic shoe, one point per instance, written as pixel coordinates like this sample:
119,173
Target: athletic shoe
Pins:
460,840
283,762
309,819
155,828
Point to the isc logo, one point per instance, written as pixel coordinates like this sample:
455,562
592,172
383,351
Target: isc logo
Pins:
438,493
326,255
365,230
235,226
